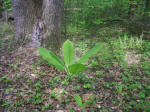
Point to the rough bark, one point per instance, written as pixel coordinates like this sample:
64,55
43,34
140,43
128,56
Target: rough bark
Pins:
52,13
38,22
24,20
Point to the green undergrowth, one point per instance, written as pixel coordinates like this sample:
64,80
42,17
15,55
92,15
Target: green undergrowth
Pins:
110,63
117,78
6,35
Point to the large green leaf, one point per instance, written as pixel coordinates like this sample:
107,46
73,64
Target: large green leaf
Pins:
68,52
76,68
91,52
78,100
51,58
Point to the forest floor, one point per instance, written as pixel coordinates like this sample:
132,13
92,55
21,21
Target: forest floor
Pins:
117,78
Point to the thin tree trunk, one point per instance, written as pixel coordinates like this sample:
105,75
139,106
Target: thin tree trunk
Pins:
6,16
0,9
147,7
146,16
132,9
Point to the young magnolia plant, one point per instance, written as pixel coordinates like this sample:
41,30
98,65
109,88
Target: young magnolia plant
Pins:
68,63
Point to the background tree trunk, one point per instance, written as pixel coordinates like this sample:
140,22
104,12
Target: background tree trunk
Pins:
0,9
132,9
38,22
147,17
147,7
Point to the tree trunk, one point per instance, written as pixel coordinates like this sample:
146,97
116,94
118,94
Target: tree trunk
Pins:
147,16
132,9
147,7
52,15
38,22
0,9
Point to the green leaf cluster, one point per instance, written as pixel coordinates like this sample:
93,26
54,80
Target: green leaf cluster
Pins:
6,4
68,64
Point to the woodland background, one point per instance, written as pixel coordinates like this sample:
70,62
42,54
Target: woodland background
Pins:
117,78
